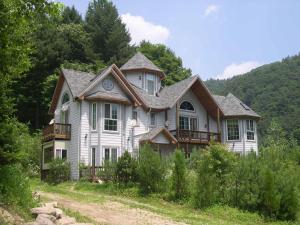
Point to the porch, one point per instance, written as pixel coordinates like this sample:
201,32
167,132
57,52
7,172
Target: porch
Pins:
195,137
57,131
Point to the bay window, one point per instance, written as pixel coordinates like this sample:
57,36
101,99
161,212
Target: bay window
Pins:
233,130
150,84
61,153
110,117
152,119
110,154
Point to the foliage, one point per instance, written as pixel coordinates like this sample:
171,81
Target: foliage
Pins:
151,171
272,91
110,39
59,171
166,60
14,188
179,174
126,169
108,172
71,15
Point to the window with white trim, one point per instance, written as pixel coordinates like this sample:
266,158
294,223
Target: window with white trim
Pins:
61,153
110,117
188,123
111,154
152,119
94,116
150,84
65,98
250,129
233,130
135,115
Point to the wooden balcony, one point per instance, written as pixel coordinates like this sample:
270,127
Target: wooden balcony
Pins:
58,131
195,137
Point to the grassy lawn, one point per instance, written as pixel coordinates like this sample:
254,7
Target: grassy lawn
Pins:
96,193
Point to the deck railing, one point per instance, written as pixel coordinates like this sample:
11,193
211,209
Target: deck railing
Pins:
191,136
57,131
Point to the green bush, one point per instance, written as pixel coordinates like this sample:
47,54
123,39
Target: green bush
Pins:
151,170
108,172
126,169
215,167
179,174
59,171
14,188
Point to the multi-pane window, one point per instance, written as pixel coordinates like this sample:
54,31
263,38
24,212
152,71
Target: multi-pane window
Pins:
188,123
233,130
152,119
48,154
65,98
61,153
250,129
187,106
111,154
111,117
150,84
94,116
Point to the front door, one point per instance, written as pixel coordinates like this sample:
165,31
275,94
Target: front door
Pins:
193,127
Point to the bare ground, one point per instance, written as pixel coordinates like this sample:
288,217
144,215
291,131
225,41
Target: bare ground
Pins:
111,212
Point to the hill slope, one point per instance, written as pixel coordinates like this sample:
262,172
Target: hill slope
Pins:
272,90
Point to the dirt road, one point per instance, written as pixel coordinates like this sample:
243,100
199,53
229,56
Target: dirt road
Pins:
111,212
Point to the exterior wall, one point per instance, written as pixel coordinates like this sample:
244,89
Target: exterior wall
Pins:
161,139
138,79
241,146
200,113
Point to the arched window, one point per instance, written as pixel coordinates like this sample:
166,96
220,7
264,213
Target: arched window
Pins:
65,98
187,106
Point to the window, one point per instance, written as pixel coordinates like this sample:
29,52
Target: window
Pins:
152,119
188,123
64,116
150,84
187,106
111,154
94,116
65,98
111,117
233,130
135,115
250,129
48,154
61,153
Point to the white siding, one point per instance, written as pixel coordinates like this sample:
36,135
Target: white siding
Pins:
161,139
85,133
135,78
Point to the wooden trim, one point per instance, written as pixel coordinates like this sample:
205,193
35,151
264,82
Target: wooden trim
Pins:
111,99
161,74
56,94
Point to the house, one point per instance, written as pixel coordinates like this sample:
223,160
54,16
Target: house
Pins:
99,116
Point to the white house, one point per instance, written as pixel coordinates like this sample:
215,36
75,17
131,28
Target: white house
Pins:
97,117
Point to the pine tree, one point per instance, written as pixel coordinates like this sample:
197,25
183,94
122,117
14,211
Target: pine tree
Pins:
109,35
71,15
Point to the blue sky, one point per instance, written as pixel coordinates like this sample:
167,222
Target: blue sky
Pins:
214,38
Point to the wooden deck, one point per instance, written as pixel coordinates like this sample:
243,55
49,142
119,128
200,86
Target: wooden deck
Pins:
195,137
58,131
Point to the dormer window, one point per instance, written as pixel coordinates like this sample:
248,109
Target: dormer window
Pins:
65,98
150,84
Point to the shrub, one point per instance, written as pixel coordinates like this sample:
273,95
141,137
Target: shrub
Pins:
108,172
59,171
126,169
151,170
179,181
85,172
14,188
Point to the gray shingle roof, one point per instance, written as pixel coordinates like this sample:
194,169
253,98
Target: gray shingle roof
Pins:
77,80
232,106
139,61
107,95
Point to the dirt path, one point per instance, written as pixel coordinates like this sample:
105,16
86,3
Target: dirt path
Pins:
111,212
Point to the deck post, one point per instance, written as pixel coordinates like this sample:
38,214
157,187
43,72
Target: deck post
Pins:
207,122
177,123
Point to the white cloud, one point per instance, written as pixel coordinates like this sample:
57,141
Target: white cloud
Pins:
211,9
140,29
237,69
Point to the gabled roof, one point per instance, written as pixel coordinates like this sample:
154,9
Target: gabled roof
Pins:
148,137
141,62
233,107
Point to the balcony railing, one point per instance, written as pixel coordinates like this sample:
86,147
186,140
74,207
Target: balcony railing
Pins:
57,131
196,137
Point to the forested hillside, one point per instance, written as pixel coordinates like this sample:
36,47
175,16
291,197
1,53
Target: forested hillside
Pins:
272,90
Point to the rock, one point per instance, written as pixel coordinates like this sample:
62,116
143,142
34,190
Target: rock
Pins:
66,220
43,210
50,204
58,213
43,219
100,181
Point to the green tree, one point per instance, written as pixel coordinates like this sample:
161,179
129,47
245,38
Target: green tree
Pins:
126,169
110,38
166,60
179,174
71,15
